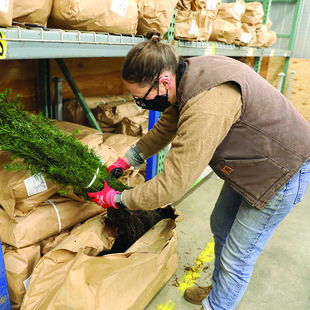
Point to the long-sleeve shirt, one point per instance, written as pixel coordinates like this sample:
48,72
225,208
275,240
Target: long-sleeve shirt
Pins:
202,125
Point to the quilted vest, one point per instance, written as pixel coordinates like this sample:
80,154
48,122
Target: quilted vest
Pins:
269,143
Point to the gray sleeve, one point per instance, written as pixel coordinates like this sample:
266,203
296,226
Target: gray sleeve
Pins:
135,157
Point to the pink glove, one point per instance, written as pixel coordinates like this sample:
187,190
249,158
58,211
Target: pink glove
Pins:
106,197
118,168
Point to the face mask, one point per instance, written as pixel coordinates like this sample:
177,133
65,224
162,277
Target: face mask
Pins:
159,103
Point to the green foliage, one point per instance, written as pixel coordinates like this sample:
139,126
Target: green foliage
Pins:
48,150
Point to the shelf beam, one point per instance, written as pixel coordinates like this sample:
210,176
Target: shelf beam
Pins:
36,43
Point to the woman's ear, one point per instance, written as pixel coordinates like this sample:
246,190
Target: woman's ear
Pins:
165,81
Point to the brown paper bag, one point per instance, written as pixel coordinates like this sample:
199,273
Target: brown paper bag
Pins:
65,279
91,137
194,25
247,36
185,25
119,142
32,11
20,192
73,112
19,264
48,219
93,236
210,5
155,14
114,113
136,126
265,37
225,31
184,5
113,16
50,243
254,14
231,11
132,177
6,13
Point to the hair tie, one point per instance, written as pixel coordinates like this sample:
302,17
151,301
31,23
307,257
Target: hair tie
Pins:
155,38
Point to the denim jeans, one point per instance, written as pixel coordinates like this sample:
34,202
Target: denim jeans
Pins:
241,232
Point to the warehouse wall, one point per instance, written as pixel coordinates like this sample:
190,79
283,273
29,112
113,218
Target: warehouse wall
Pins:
282,18
302,46
93,76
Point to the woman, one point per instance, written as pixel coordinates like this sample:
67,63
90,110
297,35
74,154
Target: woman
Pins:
216,111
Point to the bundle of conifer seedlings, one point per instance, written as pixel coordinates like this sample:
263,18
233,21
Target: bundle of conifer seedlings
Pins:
61,158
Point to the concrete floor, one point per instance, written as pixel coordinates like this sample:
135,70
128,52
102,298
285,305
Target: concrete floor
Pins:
281,277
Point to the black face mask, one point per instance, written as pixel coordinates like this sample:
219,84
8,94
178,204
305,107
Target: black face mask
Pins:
159,103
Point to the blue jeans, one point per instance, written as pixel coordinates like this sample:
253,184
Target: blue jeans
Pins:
241,233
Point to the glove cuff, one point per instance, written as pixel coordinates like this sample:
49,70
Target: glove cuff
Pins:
119,201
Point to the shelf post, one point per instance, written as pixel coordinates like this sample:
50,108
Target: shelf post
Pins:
170,33
266,7
78,95
292,38
45,87
257,63
58,97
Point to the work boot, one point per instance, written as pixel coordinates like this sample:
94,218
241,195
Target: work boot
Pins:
196,294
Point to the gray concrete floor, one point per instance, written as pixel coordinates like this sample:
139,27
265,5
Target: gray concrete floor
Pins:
281,277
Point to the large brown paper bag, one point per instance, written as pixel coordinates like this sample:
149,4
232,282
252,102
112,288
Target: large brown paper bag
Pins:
49,218
155,14
136,126
119,142
231,11
93,236
184,5
73,112
113,113
185,25
50,243
247,36
91,137
210,5
194,25
113,16
132,177
32,11
225,31
63,279
19,264
20,192
6,13
265,37
254,14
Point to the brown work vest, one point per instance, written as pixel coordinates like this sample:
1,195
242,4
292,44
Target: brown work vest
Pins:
269,143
